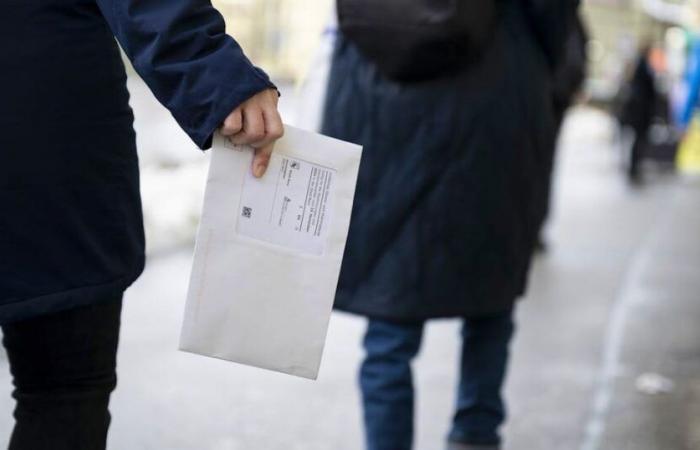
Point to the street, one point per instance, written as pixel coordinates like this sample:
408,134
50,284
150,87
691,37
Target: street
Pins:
606,355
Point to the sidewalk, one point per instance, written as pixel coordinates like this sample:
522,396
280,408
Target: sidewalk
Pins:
617,297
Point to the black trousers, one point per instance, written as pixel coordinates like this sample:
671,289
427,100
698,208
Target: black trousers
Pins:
64,370
633,170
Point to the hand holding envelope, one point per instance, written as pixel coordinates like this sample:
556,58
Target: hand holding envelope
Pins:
256,122
269,251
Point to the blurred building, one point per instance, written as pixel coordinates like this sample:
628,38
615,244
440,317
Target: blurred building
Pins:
618,28
280,35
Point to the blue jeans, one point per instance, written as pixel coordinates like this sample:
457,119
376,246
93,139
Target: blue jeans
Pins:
387,385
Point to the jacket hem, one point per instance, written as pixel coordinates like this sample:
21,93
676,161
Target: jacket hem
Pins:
60,301
493,307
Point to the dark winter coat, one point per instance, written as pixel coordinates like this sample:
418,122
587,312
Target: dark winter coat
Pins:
639,97
71,228
453,180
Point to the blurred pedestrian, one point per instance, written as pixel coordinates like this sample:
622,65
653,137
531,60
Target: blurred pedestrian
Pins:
450,195
637,107
71,233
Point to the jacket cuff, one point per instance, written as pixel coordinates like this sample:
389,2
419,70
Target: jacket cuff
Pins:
201,127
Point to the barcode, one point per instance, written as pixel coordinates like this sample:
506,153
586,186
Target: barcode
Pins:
247,212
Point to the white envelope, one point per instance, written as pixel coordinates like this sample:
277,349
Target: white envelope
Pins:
269,251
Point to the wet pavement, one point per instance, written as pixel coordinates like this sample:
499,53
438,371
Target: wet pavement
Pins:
607,353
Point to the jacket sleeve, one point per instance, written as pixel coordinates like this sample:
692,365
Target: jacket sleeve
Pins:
181,49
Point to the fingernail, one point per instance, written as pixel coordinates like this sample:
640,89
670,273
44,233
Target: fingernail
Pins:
259,170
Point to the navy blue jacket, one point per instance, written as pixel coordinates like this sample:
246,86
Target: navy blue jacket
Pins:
71,229
454,178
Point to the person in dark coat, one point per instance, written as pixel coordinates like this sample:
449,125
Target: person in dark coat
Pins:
639,99
71,232
447,210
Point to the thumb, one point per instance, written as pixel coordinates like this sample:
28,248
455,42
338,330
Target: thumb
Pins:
261,160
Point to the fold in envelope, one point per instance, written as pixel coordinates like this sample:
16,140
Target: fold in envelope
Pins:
269,251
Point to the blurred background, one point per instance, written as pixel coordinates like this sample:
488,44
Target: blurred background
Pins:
607,354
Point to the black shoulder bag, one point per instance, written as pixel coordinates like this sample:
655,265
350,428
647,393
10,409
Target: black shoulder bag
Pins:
415,40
